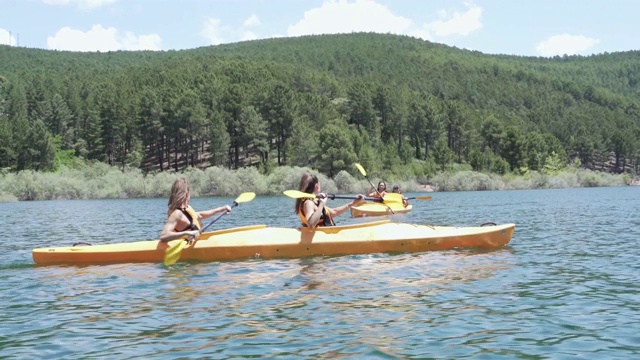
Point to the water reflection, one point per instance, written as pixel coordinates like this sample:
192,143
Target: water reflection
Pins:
396,280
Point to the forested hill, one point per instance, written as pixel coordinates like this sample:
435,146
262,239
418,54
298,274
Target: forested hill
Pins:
398,59
320,101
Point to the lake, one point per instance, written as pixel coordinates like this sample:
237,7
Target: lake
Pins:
567,286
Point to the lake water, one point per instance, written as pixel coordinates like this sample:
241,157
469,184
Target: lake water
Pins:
567,286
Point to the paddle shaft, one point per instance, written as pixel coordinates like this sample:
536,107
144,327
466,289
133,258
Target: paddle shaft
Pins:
333,197
212,222
374,187
419,198
296,194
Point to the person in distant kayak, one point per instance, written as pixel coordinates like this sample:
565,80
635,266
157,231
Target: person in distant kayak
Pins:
315,212
183,221
382,190
396,190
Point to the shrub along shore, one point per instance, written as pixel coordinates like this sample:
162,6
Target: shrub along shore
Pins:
101,181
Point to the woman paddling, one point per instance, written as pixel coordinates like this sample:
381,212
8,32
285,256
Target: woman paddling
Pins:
183,220
381,192
315,212
396,190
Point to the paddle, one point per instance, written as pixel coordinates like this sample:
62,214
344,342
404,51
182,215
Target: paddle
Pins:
402,199
172,254
295,194
303,195
419,198
364,173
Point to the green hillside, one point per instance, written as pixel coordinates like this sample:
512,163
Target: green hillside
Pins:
320,101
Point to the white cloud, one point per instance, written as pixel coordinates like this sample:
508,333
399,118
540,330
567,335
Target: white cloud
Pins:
84,4
348,16
456,23
102,39
565,44
421,34
248,35
252,21
214,31
342,16
6,38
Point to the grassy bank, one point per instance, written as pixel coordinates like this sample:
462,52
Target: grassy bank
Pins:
101,181
567,178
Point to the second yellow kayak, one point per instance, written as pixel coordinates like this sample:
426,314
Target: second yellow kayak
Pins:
367,208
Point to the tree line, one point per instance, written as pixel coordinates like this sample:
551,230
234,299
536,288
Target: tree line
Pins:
394,103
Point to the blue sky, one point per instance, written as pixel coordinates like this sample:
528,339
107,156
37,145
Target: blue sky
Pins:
514,27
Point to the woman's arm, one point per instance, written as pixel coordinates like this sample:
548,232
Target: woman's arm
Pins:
312,212
168,230
208,213
342,209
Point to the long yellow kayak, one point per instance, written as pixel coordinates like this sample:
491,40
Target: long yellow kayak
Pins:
367,208
260,241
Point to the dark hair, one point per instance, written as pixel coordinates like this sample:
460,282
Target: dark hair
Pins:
307,184
396,187
382,183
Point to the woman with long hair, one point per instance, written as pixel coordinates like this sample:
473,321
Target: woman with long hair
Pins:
182,220
315,212
382,190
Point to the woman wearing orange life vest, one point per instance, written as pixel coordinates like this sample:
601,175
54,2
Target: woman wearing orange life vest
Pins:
315,212
382,190
183,220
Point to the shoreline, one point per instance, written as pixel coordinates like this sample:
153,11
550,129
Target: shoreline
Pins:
427,188
101,181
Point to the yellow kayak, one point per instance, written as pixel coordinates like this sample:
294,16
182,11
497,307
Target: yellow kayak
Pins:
367,208
260,241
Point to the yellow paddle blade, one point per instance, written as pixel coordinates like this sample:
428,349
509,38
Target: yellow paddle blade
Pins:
245,197
172,255
393,197
361,169
298,194
423,197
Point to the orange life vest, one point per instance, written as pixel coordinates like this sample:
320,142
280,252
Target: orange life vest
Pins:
194,220
376,195
325,218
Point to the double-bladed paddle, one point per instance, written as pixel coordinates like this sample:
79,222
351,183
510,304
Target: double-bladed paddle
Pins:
295,194
172,254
